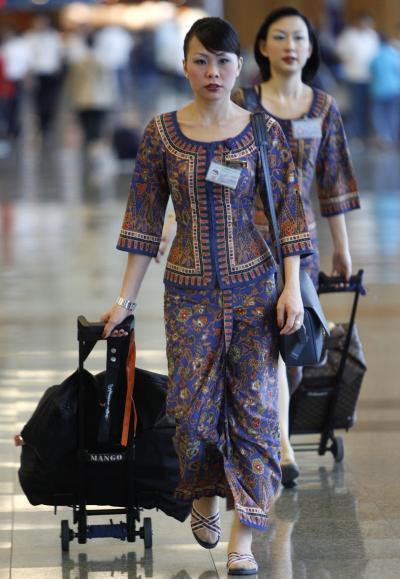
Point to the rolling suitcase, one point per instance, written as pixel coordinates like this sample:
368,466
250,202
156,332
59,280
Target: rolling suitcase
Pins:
327,396
103,439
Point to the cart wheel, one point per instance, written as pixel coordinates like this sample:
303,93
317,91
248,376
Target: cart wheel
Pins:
82,530
130,528
147,534
337,448
66,536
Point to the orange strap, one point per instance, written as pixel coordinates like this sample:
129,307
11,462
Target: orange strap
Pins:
130,383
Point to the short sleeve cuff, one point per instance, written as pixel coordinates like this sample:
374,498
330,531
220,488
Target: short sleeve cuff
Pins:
341,204
297,245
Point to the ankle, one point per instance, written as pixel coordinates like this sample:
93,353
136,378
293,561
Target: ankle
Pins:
241,537
287,453
207,505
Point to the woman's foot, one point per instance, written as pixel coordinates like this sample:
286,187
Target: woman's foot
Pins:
240,557
205,521
290,470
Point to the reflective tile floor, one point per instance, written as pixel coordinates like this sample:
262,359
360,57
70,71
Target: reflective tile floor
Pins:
59,222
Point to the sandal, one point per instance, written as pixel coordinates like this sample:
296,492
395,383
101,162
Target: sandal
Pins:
238,558
212,523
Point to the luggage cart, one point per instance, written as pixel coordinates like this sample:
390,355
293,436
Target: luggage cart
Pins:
88,335
327,396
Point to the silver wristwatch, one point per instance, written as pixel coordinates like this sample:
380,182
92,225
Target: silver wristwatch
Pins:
125,303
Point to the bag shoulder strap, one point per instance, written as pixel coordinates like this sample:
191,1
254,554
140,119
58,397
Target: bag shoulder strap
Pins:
261,140
250,98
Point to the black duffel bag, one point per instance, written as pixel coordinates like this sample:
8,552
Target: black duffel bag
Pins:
49,472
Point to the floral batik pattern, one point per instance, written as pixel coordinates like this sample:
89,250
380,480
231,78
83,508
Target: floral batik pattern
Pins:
328,158
222,358
216,239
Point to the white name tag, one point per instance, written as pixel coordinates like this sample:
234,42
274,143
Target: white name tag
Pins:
307,129
222,175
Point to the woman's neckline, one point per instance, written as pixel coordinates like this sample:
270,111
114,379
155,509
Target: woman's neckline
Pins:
289,119
206,143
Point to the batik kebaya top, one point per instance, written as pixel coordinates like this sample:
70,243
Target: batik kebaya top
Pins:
325,155
217,243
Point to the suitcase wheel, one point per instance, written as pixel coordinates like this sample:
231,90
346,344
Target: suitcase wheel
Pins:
337,448
131,527
146,533
66,536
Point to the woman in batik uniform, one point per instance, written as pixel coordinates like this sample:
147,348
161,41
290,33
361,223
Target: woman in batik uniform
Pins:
222,312
287,54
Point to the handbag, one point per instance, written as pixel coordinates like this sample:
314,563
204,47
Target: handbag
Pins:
303,347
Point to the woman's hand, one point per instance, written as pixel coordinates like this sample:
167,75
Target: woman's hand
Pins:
112,317
341,263
341,259
290,311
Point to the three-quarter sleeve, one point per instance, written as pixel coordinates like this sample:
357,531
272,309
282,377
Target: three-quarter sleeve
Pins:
293,230
336,183
148,197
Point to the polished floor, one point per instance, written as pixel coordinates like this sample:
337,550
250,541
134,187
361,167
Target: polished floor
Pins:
59,222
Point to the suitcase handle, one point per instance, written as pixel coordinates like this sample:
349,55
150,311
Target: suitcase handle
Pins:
92,331
338,284
89,333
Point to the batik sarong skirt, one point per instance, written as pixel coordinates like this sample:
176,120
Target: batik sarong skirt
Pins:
222,349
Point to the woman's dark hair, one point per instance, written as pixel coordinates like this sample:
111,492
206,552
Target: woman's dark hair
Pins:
312,64
215,34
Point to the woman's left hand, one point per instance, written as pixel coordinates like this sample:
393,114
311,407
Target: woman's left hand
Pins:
341,263
290,311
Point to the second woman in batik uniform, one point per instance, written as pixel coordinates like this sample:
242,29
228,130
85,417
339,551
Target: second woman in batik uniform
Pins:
222,311
287,54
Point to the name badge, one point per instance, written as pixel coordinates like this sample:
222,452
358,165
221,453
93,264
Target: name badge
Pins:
223,175
307,129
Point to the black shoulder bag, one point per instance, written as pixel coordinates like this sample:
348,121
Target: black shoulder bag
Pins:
304,347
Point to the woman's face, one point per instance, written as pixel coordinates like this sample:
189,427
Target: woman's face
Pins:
211,75
287,45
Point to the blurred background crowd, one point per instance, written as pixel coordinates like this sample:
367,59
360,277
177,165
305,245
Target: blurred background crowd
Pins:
91,74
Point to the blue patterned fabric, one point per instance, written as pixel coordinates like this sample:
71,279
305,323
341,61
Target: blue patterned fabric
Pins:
326,158
222,349
216,241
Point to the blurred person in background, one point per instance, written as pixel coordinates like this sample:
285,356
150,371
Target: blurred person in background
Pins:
286,51
15,55
91,88
75,43
46,52
114,46
7,91
357,46
168,42
385,94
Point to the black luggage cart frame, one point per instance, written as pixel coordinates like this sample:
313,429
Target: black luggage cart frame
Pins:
328,440
88,335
